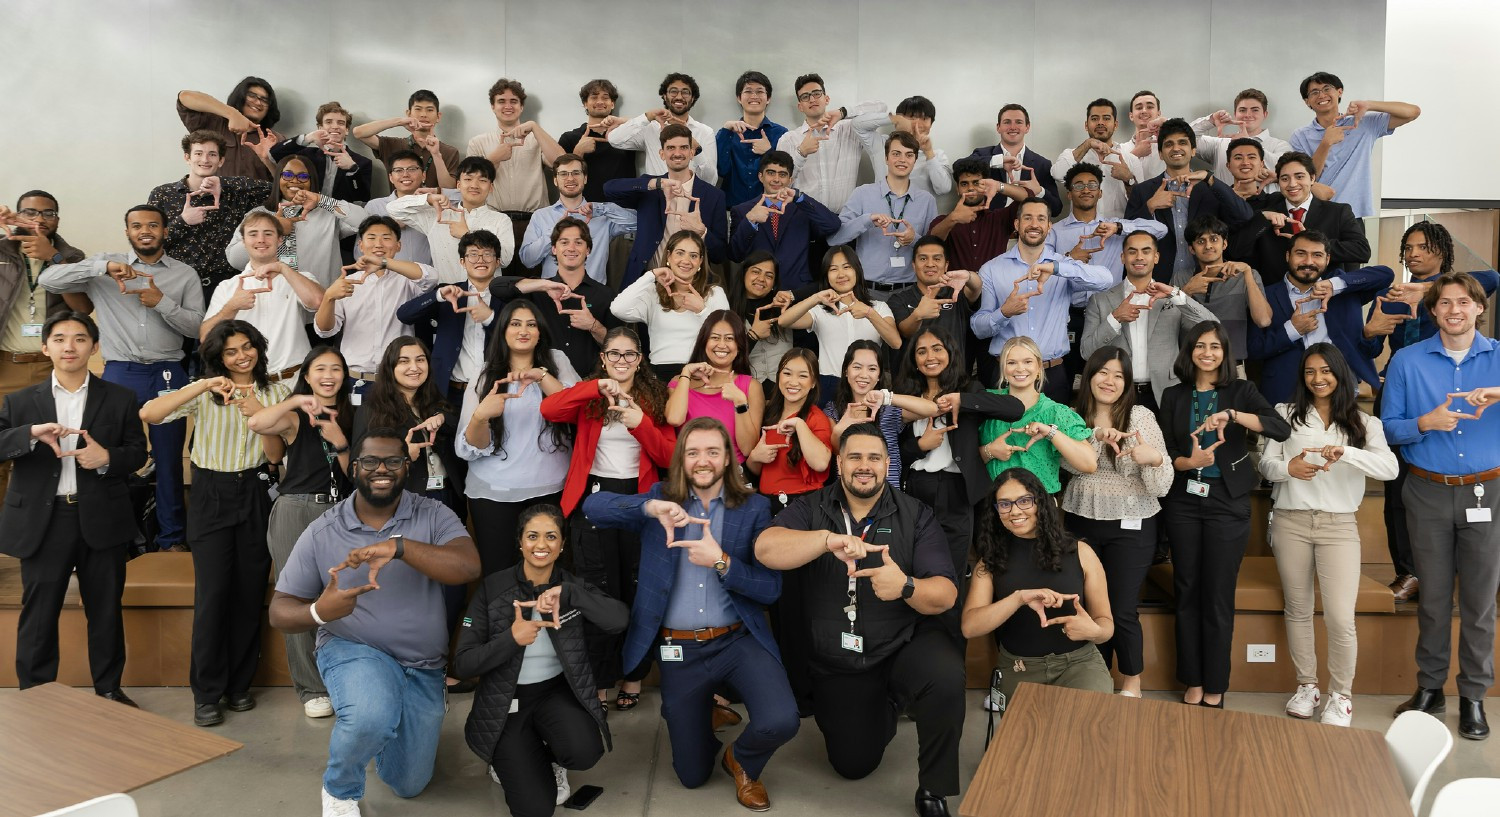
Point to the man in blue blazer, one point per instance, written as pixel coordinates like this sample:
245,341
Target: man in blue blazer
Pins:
1307,308
782,221
695,204
700,608
1012,125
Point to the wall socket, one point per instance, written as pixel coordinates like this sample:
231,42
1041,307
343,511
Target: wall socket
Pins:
1260,653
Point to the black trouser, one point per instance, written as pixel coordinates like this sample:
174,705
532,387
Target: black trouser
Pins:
610,559
44,583
1126,556
548,726
857,712
1058,384
789,624
227,531
1146,396
1073,359
1397,535
1208,541
495,534
948,496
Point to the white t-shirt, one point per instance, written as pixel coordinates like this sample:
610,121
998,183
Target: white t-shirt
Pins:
277,313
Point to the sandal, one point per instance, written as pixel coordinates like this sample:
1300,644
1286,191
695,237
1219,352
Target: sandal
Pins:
626,701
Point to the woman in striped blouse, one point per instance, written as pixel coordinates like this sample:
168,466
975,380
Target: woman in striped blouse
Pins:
863,396
226,522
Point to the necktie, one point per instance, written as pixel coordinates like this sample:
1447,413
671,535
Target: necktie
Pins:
1298,213
775,226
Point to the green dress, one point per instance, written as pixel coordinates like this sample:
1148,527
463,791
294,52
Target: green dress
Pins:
1043,460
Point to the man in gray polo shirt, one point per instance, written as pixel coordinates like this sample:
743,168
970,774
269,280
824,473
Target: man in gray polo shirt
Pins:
368,574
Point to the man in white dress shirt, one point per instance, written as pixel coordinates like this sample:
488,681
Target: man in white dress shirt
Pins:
827,145
1248,120
443,224
643,133
915,115
1100,148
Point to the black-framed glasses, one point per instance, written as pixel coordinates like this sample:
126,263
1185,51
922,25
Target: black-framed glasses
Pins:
258,97
615,356
1025,503
809,96
371,462
479,256
288,175
1079,187
33,213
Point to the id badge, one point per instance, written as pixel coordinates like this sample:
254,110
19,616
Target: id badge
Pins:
1130,524
435,482
515,705
1197,488
355,398
898,261
1477,514
31,330
671,652
852,642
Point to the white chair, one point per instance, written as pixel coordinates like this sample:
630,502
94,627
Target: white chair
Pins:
1418,743
1467,798
110,805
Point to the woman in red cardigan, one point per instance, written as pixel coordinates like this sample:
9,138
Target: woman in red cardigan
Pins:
622,440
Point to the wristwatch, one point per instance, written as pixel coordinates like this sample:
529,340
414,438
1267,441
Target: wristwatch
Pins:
909,588
400,540
721,565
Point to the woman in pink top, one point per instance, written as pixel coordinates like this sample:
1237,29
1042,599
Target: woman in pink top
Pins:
716,382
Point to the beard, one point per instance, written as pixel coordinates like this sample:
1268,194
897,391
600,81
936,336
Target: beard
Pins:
368,494
876,486
1306,273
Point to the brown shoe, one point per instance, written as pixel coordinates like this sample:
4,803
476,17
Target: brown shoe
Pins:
751,794
724,716
1404,588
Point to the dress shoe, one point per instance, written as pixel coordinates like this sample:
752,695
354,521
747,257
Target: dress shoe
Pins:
1404,588
931,805
1471,722
751,794
239,702
119,697
1430,701
1219,705
724,716
207,715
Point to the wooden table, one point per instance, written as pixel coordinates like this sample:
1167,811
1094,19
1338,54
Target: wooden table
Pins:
60,746
1074,753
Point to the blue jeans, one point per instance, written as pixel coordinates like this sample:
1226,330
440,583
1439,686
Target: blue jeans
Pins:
167,439
384,711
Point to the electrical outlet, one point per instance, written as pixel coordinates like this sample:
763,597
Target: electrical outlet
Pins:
1261,653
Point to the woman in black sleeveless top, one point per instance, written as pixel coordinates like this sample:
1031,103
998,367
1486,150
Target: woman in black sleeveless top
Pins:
1027,560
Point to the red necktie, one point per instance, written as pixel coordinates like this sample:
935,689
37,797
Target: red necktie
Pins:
775,226
1297,215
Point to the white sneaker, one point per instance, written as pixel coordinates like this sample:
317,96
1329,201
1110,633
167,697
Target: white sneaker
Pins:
319,707
1304,703
334,807
1339,710
990,705
560,775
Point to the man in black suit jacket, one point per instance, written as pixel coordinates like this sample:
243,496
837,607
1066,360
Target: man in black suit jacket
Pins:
699,207
73,439
1266,239
1012,125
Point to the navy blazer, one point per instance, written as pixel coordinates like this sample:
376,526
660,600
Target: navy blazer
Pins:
1257,244
1030,158
1209,197
804,220
1344,321
751,585
448,332
650,208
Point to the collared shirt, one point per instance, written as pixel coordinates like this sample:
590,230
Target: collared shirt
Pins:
222,439
830,173
1347,166
1215,149
934,176
519,182
1341,488
698,599
69,407
202,246
739,164
645,136
1230,302
1319,333
368,316
27,312
405,619
470,363
605,162
525,464
414,246
1064,235
1139,332
414,211
1046,321
882,260
129,330
391,145
606,221
1112,191
317,254
1419,379
972,245
278,314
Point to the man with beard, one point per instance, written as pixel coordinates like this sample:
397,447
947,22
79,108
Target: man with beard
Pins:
605,221
368,575
700,608
1308,308
782,221
926,300
644,132
1014,163
884,218
977,229
876,574
1099,148
591,139
147,302
1293,209
679,199
1027,291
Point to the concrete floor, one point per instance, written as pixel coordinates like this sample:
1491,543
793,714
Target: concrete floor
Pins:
278,772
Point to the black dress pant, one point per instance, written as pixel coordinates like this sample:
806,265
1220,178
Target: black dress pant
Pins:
788,616
609,559
1126,556
1208,537
549,726
857,712
1058,384
1397,534
44,582
948,496
495,534
227,521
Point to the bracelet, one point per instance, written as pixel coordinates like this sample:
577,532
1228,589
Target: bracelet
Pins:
886,397
1052,433
312,610
1233,416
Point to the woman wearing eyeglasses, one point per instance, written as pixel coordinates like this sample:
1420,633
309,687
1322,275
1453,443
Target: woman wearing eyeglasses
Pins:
311,224
622,439
1041,591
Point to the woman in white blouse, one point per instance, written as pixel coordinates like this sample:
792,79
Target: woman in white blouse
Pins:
1317,482
841,314
672,302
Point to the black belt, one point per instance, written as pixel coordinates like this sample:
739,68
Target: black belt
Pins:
879,287
67,499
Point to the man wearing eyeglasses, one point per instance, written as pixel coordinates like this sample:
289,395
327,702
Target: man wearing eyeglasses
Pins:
405,177
781,220
605,221
1341,142
1099,148
368,575
743,142
827,145
643,133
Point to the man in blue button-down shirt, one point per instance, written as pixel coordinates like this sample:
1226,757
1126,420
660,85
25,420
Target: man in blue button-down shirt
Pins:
606,221
1452,450
1027,291
883,219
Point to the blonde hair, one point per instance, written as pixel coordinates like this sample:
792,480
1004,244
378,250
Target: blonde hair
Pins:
1026,344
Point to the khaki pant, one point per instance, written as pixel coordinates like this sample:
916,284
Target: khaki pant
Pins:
1325,545
1082,668
13,378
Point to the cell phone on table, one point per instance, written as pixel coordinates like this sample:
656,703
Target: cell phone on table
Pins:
769,313
944,293
1068,608
582,797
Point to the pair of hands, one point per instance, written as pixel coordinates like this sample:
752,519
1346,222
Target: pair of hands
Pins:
931,306
1299,468
820,132
1444,418
1001,449
149,295
760,144
887,581
492,405
1164,198
760,213
323,419
1078,627
704,552
90,455
1305,321
1130,309
845,302
702,374
242,397
1214,274
1143,455
242,298
892,227
765,452
1101,233
1019,302
1200,457
683,296
622,406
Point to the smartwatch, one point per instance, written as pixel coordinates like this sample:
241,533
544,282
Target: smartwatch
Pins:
400,540
909,589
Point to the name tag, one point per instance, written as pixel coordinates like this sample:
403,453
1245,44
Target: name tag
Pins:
1130,524
671,652
435,482
355,398
898,260
1477,514
852,642
1197,488
31,330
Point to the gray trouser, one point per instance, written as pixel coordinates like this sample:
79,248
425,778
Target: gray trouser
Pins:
290,516
1445,544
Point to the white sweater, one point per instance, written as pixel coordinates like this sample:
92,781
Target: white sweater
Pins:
673,332
1341,488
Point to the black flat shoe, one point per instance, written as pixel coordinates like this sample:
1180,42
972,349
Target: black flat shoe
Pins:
239,702
931,805
119,697
207,715
1219,705
1426,700
1471,721
626,701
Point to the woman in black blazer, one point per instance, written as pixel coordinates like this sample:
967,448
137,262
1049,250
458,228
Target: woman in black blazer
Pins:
1204,419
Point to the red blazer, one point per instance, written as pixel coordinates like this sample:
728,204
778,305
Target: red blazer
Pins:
569,406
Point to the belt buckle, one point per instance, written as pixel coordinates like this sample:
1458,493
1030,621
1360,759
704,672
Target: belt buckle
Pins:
323,499
1451,481
71,499
698,634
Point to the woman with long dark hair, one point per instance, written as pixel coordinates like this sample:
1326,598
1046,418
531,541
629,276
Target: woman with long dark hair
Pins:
863,395
841,313
1115,506
1204,419
404,396
672,301
1317,480
757,301
796,445
716,382
1027,559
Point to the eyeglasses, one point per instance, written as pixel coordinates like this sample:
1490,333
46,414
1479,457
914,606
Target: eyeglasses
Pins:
1321,91
615,356
1025,503
758,92
810,96
370,463
682,92
288,175
569,174
1079,187
30,213
479,256
257,97
402,171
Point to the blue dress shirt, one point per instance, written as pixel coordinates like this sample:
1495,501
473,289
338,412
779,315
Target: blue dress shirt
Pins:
1046,322
881,260
1419,379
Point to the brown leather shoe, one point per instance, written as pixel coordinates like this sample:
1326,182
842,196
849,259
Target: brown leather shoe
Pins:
751,794
1404,588
724,716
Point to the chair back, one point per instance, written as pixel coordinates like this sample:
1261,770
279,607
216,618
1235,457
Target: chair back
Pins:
1470,796
110,805
1418,743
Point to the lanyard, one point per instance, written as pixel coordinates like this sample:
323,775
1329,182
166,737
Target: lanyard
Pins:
852,611
1198,416
890,205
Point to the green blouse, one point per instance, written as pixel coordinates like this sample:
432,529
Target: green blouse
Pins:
1043,460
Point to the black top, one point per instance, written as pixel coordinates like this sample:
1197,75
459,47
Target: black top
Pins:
1233,457
309,467
954,317
605,163
416,475
1023,634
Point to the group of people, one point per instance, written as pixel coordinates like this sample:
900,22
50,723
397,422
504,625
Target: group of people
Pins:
792,448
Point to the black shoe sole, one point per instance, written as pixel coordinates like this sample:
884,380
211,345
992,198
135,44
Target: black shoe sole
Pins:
244,707
1473,737
197,721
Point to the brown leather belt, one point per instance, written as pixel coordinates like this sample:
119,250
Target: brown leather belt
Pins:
1056,361
705,634
284,374
1461,479
24,357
